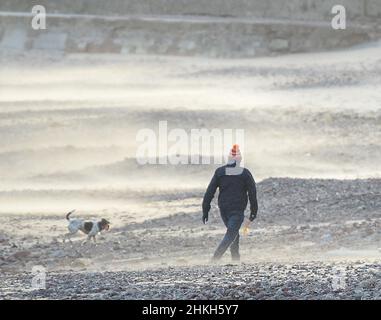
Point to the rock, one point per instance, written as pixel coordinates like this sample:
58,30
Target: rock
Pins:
368,284
3,239
21,255
58,254
358,293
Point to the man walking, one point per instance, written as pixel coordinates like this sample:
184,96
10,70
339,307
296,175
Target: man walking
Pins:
236,185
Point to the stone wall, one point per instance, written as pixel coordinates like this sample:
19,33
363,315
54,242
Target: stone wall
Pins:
291,9
203,35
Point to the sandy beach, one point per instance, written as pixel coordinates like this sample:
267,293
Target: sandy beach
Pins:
312,140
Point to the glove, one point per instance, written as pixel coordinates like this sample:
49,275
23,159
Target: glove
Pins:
204,217
253,215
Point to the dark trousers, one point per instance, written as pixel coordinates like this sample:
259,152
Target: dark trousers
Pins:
232,221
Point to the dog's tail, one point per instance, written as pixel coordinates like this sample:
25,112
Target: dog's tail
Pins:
68,215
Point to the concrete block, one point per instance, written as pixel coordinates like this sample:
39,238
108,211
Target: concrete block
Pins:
50,41
14,39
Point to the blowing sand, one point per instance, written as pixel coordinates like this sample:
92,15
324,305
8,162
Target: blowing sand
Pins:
68,127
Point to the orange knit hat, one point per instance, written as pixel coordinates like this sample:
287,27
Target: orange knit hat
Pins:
235,151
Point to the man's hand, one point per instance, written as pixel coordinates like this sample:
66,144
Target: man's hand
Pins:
204,218
253,215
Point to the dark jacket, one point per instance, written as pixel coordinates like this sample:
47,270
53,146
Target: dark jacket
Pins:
234,191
